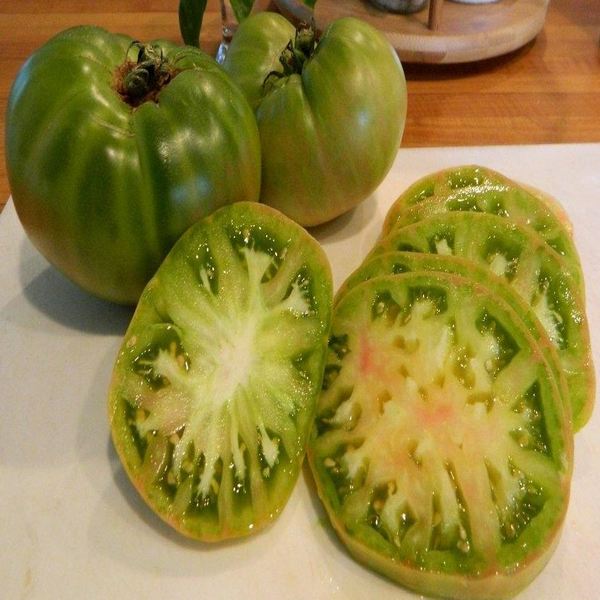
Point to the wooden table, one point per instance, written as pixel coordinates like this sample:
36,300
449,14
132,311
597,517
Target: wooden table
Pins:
546,92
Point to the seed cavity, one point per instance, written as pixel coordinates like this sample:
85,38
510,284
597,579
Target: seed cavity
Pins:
502,255
398,268
330,374
338,344
347,469
502,346
163,358
464,532
485,399
518,499
408,345
532,434
428,301
499,265
546,308
269,446
382,399
384,306
298,298
463,369
207,275
347,413
443,533
411,449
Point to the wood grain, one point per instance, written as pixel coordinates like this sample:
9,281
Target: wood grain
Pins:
545,92
460,33
434,14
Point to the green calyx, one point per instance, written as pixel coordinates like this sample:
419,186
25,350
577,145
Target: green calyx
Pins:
295,54
142,80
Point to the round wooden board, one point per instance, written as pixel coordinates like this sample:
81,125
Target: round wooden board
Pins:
466,32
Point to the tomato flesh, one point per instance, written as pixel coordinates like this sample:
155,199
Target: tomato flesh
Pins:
536,272
442,449
214,389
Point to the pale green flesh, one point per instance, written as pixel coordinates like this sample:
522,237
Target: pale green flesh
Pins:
218,374
396,262
441,441
237,386
537,274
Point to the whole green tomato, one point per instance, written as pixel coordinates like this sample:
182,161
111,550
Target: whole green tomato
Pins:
330,113
115,148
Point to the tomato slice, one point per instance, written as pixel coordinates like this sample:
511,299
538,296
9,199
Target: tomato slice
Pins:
474,188
540,275
442,450
391,263
215,385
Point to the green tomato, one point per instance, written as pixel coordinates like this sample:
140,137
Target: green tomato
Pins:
330,113
215,386
110,159
442,448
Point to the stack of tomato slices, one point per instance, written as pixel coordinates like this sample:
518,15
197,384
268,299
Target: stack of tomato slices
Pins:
459,366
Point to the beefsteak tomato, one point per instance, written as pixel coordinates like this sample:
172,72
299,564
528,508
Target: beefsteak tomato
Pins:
114,148
330,113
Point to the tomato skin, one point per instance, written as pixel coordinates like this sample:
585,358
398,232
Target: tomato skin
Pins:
330,133
104,189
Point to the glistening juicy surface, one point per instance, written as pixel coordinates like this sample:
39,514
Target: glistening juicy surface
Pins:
441,447
234,384
541,276
397,262
215,386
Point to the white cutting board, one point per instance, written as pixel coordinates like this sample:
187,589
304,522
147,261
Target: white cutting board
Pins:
72,527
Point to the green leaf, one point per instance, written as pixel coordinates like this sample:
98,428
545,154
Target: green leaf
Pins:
191,13
241,8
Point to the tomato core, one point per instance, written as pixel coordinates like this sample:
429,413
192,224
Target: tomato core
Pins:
142,80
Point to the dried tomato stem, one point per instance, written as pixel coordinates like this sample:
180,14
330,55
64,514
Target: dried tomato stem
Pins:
296,53
142,80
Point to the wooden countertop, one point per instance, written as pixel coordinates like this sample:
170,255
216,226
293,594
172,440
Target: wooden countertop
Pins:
546,92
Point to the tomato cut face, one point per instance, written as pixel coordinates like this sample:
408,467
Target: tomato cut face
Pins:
442,450
476,189
393,263
214,388
537,273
